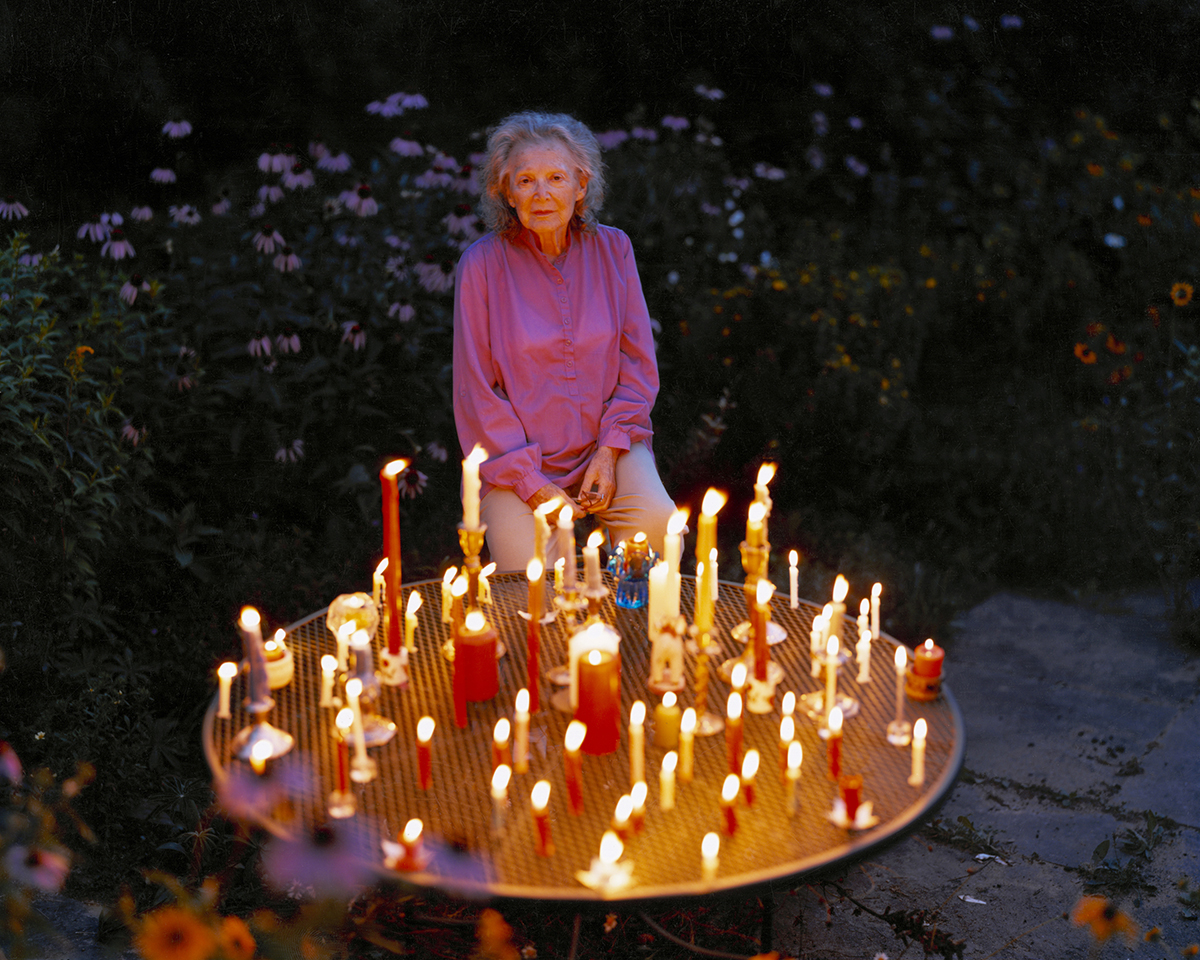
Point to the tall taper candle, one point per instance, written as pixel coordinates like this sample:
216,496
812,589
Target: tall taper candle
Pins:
539,802
637,742
250,626
389,478
471,486
666,781
225,674
687,740
521,732
425,727
410,620
917,777
573,764
534,573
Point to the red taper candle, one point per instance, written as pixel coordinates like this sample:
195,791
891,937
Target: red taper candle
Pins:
389,478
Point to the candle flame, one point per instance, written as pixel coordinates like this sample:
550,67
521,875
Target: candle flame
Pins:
639,537
448,576
595,539
477,455
355,601
699,571
594,657
475,621
793,558
831,648
344,719
425,729
353,687
360,639
249,618
763,592
545,509
500,778
670,761
787,729
611,848
795,755
522,702
750,765
459,587
710,846
788,706
412,831
488,570
733,709
757,512
766,473
827,611
841,586
713,501
261,751
280,634
920,729
864,607
731,788
565,516
381,567
669,699
229,669
835,720
395,468
540,795
414,602
576,731
901,659
688,723
928,645
624,809
535,570
737,676
637,713
503,727
877,590
270,646
677,522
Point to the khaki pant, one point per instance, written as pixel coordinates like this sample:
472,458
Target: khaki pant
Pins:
640,505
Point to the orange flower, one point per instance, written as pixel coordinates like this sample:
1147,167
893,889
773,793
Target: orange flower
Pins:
237,943
1095,169
1181,294
172,933
1196,219
1195,191
1191,950
1094,328
1115,377
1113,345
1084,354
1103,918
1144,219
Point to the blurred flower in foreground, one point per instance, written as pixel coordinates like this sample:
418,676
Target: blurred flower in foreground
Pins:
856,166
411,482
13,209
611,139
133,434
299,177
332,860
643,133
270,193
259,346
360,200
768,172
222,205
32,867
436,451
822,90
273,160
237,943
287,341
173,933
435,276
177,129
1103,918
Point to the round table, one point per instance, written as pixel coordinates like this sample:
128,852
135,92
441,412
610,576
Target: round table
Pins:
769,848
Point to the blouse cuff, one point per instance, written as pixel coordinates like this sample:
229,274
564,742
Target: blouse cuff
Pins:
530,484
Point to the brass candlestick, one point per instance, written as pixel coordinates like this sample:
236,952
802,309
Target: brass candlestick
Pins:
707,722
471,542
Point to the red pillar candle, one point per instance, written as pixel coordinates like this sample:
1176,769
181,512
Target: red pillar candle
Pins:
573,765
600,701
535,573
389,478
729,795
475,675
928,660
833,746
850,790
733,733
539,803
424,740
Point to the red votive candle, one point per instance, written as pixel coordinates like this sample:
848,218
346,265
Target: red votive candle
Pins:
850,790
573,765
600,701
475,674
833,746
928,660
539,802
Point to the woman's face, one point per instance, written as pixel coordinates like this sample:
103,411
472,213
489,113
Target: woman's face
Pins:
544,187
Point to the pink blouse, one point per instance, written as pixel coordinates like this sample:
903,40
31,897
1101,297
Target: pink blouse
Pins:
550,360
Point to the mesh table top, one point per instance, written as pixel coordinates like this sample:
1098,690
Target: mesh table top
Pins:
769,846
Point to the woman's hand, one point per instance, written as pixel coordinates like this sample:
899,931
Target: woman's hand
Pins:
552,491
601,473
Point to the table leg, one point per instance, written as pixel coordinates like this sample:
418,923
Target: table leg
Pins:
767,935
575,936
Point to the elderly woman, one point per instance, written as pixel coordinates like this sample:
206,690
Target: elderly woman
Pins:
554,369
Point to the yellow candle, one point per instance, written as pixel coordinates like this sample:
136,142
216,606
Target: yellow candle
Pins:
501,750
875,594
794,579
447,596
917,777
666,781
521,735
260,753
710,847
787,734
687,737
637,742
667,717
471,486
328,669
787,706
591,561
410,620
795,757
500,778
737,677
620,818
225,674
755,526
638,795
831,654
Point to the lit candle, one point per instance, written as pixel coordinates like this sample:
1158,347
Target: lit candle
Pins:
500,778
637,742
755,525
344,721
850,790
917,777
485,586
729,795
591,561
541,529
762,614
875,592
658,607
620,823
818,642
838,608
928,660
521,732
559,565
733,732
787,706
249,625
343,645
225,674
410,620
749,773
534,573
766,473
831,659
833,745
638,794
328,669
566,542
471,486
666,781
710,847
794,579
795,758
353,691
737,677
412,844
377,582
687,738
389,477
862,652
713,578
447,596
364,662
706,542
539,803
600,701
787,733
458,590
611,849
573,764
261,752
425,728
667,716
672,550
476,677
901,661
501,749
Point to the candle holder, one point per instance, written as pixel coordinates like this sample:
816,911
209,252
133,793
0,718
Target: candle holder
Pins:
666,656
342,804
630,564
899,733
570,604
261,731
471,541
920,687
377,730
358,608
813,704
707,722
774,670
393,668
281,665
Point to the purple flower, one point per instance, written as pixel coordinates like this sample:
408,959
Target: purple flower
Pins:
402,310
856,166
940,32
413,101
815,158
675,123
317,150
288,341
736,183
970,23
222,205
286,260
142,214
290,454
134,435
162,175
768,172
335,860
185,214
132,287
267,239
32,867
273,160
353,334
299,177
436,451
12,209
643,133
822,90
709,93
270,193
335,163
117,246
1010,21
460,219
177,129
28,260
855,123
360,201
406,148
411,482
101,229
434,276
386,108
10,763
611,139
466,181
820,123
259,345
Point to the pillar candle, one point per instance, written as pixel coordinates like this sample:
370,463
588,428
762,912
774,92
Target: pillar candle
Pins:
471,486
638,794
794,580
500,779
425,727
534,573
521,732
250,627
850,790
667,716
927,661
573,765
475,673
225,674
729,795
410,620
539,804
344,721
706,542
917,777
833,745
637,742
710,847
600,701
591,561
787,734
733,733
795,758
755,526
328,669
749,775
875,592
501,745
687,738
389,478
666,781
838,608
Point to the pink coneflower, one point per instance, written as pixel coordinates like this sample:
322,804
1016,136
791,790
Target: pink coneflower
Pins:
270,193
133,434
466,181
317,150
142,214
333,861
436,451
12,209
132,287
353,334
286,260
820,123
288,341
10,763
299,177
291,453
411,482
402,310
259,345
335,163
177,129
822,90
273,160
257,210
32,867
222,205
675,123
395,266
267,239
611,139
434,276
413,101
117,246
360,200
162,175
856,166
397,243
644,133
101,229
186,214
30,259
709,93
460,219
390,107
406,148
768,172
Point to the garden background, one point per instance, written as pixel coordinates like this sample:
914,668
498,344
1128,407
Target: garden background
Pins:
934,260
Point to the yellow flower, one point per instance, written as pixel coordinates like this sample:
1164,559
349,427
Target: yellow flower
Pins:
1181,294
237,943
1103,918
172,933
